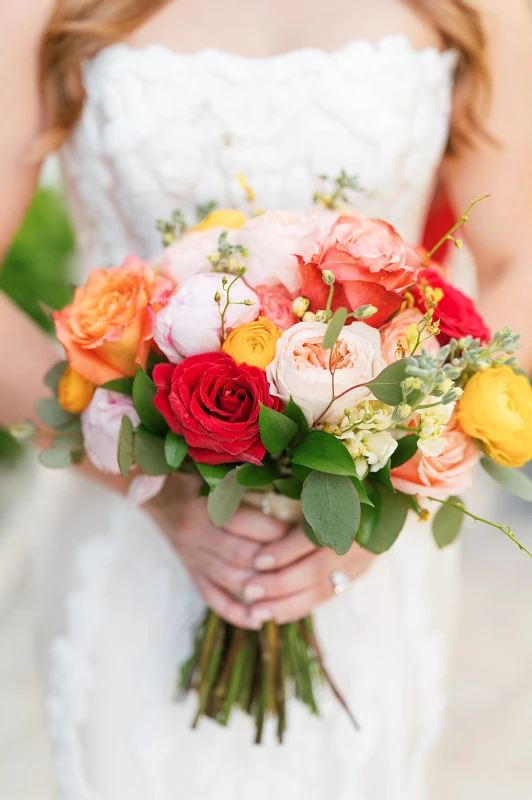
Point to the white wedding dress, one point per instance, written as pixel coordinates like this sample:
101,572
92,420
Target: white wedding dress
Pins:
162,131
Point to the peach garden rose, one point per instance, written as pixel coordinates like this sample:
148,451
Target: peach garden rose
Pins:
396,330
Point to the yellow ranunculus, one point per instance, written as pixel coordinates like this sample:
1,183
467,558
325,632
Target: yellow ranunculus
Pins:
253,343
74,393
221,218
496,409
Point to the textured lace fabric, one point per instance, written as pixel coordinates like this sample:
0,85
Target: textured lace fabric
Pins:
162,131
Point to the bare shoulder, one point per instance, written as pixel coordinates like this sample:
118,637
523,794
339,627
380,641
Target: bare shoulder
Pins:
22,25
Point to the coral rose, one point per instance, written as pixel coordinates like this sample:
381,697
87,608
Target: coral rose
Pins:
371,263
496,409
440,476
301,369
396,330
74,393
107,330
191,323
253,343
214,403
276,304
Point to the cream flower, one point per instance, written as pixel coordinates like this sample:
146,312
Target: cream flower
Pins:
370,450
432,424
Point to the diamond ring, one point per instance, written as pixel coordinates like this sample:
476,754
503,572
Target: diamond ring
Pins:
340,581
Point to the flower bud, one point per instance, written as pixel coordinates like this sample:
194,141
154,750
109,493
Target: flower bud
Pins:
309,316
321,316
401,412
364,312
452,395
217,297
328,277
300,306
23,431
74,392
249,302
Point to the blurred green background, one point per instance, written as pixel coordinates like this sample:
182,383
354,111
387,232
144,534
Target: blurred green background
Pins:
36,272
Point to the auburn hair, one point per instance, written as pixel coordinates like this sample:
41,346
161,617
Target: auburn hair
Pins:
79,29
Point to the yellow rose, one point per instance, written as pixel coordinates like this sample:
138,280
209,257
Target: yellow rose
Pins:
497,410
253,343
221,218
74,393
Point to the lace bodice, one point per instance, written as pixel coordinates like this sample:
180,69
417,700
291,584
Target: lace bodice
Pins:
162,131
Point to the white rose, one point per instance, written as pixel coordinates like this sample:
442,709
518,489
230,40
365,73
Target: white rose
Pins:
301,369
190,324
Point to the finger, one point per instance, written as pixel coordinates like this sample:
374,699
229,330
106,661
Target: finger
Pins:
224,605
255,525
280,554
293,607
224,575
307,572
234,550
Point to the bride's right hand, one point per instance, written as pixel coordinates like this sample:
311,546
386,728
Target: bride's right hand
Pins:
219,560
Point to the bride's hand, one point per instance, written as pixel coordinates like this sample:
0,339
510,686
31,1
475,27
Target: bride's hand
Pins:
220,561
295,577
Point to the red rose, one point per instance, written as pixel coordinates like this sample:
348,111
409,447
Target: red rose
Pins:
214,403
371,263
456,311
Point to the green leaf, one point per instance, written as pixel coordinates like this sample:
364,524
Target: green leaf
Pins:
121,385
334,328
204,490
293,412
447,523
55,459
175,449
406,449
309,533
213,473
251,476
387,385
54,375
149,453
332,508
125,446
52,414
225,499
144,391
379,536
369,518
301,473
513,480
290,487
361,491
276,429
324,452
383,475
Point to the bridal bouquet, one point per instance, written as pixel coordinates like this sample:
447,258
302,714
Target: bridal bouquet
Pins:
314,362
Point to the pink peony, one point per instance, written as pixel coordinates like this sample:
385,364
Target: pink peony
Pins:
188,255
395,330
191,324
276,305
100,424
443,475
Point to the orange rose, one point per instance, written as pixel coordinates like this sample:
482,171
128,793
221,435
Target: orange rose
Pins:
107,330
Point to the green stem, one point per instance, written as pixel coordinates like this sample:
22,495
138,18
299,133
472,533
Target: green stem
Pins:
504,528
462,221
227,290
330,298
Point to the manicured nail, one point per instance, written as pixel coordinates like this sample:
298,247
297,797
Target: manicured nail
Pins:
264,562
253,593
262,615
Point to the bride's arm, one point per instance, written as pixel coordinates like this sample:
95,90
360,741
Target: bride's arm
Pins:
499,231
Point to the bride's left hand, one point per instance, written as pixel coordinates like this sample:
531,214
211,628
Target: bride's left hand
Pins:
294,577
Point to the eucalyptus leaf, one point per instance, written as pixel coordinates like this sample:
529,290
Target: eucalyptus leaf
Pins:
393,510
144,391
513,480
386,387
289,487
224,500
276,429
121,385
55,459
149,454
447,523
293,412
324,452
51,413
125,446
54,375
334,328
309,533
212,474
252,476
175,449
406,449
332,508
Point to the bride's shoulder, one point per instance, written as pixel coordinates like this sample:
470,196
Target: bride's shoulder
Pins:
23,25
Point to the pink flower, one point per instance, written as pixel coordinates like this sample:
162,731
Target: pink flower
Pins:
443,475
100,424
276,305
191,324
395,330
188,255
274,240
301,369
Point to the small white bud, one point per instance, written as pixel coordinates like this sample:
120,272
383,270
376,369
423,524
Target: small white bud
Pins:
328,277
309,316
364,312
321,316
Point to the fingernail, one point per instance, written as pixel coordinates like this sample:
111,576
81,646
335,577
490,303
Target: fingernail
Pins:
254,593
264,562
262,615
